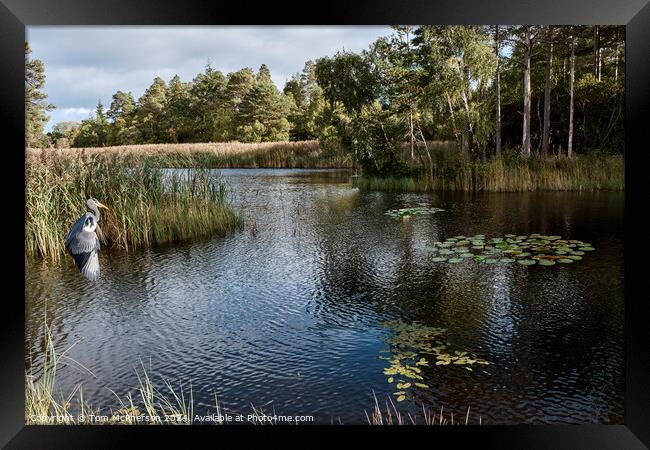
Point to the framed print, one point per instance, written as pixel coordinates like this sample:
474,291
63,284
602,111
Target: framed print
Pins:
414,217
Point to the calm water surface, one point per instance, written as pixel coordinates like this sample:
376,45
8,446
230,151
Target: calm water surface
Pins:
288,313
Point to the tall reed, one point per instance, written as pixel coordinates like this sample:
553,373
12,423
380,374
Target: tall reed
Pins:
147,205
583,173
282,154
392,416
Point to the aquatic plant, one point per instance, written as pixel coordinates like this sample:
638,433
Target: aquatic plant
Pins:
526,250
405,213
414,346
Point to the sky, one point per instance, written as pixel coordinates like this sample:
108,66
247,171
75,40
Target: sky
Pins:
84,64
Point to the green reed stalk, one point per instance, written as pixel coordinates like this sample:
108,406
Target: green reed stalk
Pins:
147,205
583,173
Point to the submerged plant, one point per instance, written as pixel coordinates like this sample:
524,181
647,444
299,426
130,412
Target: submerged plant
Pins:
415,346
526,250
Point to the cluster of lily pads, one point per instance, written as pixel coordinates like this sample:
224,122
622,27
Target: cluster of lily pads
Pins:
413,347
405,213
526,250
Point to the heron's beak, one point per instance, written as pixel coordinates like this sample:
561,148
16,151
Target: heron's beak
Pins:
101,205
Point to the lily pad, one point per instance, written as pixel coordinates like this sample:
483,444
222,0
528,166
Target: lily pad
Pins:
546,262
405,213
527,262
526,250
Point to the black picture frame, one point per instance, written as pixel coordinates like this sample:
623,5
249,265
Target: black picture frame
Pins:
15,15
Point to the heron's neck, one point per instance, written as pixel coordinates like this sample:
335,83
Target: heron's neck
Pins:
95,211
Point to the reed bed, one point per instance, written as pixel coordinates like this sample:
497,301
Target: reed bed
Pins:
148,205
283,154
582,173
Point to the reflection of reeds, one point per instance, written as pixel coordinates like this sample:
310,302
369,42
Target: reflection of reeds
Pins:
451,173
284,154
392,416
146,206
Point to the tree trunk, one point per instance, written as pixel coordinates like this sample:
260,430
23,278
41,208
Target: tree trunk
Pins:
453,123
547,93
571,80
432,169
498,88
411,136
470,128
525,144
597,52
538,151
600,62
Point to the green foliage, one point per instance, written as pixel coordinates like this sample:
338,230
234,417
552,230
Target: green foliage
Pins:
262,114
122,113
308,107
63,134
347,78
210,121
93,132
150,112
36,106
602,106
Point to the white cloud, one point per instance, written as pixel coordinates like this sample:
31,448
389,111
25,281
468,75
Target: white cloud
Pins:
84,64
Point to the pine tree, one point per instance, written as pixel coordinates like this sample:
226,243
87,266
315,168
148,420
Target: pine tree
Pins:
122,115
150,111
101,124
177,119
262,114
211,118
36,105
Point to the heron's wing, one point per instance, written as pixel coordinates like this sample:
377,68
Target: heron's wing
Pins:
79,241
83,247
90,269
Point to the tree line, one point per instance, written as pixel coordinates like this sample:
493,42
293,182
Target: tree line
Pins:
497,91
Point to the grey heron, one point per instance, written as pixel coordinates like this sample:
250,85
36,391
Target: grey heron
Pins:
82,242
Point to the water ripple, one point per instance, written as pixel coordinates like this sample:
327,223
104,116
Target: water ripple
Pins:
290,317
